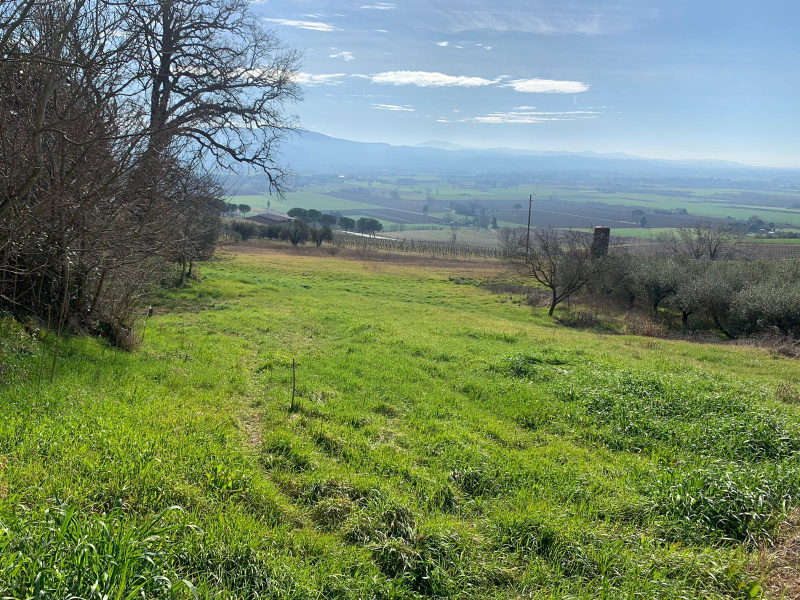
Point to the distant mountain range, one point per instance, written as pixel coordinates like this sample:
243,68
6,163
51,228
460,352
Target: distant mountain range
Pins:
315,152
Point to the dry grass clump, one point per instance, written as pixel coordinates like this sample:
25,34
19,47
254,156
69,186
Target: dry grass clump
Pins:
779,562
579,319
787,394
640,323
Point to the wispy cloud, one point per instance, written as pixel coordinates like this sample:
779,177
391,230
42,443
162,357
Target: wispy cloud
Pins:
380,6
544,17
344,54
430,79
311,25
443,44
394,107
547,86
319,79
528,117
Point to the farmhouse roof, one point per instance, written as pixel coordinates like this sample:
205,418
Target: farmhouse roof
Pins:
270,218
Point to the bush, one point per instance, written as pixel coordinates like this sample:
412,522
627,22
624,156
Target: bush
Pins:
772,304
247,229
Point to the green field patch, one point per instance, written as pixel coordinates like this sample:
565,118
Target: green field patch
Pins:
432,440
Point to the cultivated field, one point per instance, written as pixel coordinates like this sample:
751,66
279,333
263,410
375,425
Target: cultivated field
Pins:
443,442
556,205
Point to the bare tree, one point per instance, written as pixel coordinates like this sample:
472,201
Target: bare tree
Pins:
560,260
215,79
702,240
111,113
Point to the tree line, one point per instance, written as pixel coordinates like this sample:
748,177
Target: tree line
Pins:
307,226
117,120
313,217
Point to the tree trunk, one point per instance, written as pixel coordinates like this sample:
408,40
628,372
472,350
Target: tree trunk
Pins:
183,271
553,304
720,327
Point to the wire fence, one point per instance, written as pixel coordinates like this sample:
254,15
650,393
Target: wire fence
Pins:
442,249
742,251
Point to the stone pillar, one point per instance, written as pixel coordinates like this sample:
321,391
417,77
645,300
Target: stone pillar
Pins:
602,235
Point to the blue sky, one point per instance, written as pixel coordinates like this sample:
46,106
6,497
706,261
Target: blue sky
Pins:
662,78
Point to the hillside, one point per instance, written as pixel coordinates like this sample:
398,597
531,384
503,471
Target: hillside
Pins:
445,442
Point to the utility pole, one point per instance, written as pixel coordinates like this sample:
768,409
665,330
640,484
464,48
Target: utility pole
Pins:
528,238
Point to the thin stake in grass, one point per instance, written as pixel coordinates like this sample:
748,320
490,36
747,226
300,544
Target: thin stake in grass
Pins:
294,384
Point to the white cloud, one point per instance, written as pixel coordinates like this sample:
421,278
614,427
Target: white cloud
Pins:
443,44
344,54
524,108
319,79
528,117
430,79
312,25
380,6
547,86
393,107
455,110
381,30
443,120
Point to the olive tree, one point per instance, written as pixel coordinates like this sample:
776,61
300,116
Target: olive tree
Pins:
297,232
321,234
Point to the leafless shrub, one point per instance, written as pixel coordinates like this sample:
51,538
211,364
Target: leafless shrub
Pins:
703,240
538,298
560,260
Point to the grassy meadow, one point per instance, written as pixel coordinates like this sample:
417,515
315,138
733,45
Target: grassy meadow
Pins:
444,441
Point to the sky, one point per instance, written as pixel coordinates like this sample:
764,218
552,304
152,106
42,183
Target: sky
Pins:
659,78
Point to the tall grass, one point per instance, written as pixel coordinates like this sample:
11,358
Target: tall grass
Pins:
444,443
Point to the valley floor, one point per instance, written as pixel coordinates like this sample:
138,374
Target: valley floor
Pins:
444,442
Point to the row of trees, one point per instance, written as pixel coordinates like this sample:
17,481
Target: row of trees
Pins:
112,115
313,217
297,232
740,298
697,278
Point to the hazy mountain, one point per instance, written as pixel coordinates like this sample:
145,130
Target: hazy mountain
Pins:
315,152
441,145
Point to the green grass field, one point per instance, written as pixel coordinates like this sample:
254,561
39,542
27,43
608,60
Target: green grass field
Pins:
445,442
307,200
